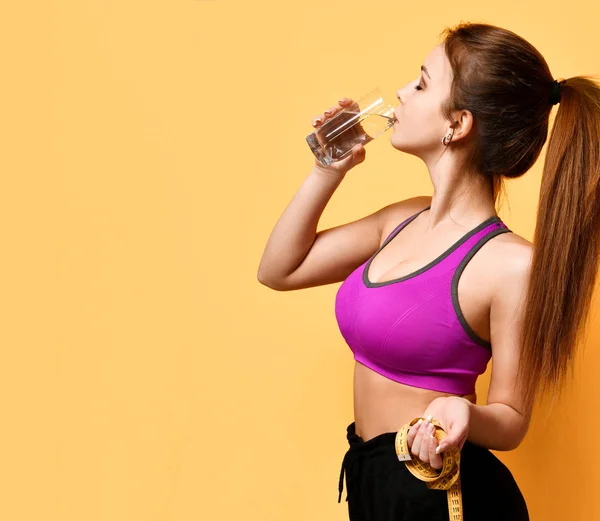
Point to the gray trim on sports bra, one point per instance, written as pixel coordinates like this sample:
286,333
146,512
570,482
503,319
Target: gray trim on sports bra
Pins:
464,238
454,286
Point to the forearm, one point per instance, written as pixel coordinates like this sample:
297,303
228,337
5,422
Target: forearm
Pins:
496,426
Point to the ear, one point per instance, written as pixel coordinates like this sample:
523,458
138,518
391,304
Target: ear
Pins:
463,124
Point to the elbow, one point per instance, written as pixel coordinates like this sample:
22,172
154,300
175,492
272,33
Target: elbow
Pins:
512,446
261,278
268,283
516,440
522,430
519,439
506,445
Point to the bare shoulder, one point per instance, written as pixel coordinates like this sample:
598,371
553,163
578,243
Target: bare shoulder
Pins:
508,261
393,214
511,248
501,265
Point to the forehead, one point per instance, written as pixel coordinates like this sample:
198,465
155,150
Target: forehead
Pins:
438,65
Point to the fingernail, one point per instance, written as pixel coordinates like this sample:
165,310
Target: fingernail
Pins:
429,417
343,100
438,449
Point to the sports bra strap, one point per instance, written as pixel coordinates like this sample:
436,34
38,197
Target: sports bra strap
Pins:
404,223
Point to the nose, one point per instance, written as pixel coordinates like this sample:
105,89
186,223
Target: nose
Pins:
401,95
402,92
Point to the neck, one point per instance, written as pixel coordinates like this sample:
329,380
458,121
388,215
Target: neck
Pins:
459,198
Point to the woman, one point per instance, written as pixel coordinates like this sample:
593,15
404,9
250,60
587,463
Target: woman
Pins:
435,287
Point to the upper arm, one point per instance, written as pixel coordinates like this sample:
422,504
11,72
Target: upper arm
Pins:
336,252
506,326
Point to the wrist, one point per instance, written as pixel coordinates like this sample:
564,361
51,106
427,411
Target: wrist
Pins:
468,402
327,173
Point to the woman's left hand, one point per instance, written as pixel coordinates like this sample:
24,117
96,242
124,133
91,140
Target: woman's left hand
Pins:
454,415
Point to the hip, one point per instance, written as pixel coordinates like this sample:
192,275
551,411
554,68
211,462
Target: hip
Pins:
380,487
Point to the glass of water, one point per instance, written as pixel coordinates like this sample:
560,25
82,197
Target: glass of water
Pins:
360,122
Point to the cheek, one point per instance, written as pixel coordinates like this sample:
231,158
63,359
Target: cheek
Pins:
418,129
416,121
421,116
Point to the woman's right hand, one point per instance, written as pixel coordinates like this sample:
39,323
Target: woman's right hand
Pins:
358,154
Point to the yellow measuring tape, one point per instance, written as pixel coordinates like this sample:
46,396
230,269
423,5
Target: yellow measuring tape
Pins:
447,479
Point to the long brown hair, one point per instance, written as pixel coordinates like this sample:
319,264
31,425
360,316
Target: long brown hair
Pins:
506,84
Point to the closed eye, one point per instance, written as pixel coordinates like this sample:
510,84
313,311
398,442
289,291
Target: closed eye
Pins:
417,87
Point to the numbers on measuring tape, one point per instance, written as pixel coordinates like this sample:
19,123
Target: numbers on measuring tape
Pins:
448,478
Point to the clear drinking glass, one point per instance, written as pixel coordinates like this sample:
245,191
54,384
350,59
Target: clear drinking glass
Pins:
360,122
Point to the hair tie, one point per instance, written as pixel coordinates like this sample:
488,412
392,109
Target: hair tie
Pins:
555,93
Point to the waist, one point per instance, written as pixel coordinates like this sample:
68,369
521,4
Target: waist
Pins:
382,405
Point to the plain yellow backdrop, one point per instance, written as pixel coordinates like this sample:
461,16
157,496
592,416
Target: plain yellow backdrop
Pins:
148,148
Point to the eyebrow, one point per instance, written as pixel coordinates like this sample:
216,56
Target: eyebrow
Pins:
424,69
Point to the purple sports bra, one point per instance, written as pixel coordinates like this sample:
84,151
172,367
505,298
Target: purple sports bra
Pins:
411,329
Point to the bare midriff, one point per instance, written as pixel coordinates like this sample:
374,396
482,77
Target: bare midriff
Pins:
383,405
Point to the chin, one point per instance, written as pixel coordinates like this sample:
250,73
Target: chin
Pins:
402,146
396,141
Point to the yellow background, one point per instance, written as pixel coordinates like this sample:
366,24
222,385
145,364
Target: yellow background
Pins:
148,148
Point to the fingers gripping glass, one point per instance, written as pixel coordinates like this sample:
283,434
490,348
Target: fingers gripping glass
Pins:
360,122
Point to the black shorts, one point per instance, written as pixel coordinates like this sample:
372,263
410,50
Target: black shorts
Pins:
381,488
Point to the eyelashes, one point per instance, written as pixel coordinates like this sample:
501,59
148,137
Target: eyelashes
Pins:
417,87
